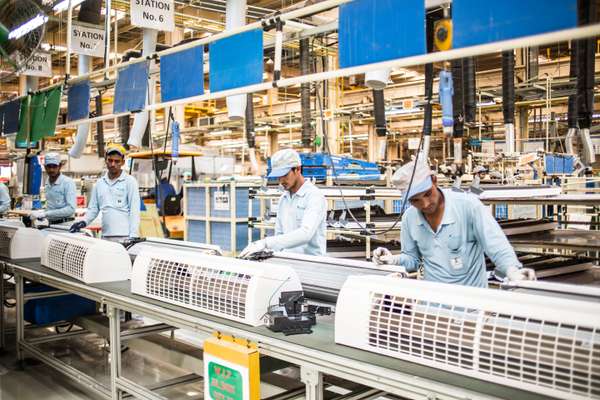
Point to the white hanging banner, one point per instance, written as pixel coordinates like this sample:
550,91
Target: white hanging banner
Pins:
153,14
87,41
39,65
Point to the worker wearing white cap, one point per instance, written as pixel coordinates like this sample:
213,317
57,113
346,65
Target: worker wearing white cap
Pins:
4,198
300,225
449,232
116,195
61,196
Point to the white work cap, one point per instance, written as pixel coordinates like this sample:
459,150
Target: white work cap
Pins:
479,169
283,161
52,159
421,181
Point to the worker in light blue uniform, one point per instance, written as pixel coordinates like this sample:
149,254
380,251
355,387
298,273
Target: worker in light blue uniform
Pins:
300,226
61,196
116,195
449,232
4,199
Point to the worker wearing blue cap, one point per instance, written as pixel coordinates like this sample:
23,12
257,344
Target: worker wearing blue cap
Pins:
60,193
116,195
449,232
300,226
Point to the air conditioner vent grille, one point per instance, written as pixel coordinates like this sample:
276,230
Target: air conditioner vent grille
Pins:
65,257
204,288
5,238
543,353
56,254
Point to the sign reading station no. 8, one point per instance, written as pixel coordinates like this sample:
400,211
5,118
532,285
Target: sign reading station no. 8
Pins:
153,14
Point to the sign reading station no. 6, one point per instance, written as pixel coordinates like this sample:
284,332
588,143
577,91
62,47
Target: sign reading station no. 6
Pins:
153,14
87,41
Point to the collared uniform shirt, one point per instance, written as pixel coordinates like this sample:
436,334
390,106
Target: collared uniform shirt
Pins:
60,198
4,198
300,226
455,253
119,202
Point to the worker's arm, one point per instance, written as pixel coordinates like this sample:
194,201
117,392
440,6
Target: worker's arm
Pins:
313,218
93,208
410,258
133,194
492,239
71,199
4,198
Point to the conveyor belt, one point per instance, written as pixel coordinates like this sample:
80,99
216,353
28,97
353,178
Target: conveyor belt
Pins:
317,350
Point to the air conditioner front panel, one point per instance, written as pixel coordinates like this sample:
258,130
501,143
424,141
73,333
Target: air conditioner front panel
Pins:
553,351
234,289
87,259
19,243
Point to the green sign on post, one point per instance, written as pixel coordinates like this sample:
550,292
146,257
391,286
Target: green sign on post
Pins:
224,383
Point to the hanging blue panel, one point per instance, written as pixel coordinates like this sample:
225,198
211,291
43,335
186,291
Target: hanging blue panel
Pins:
236,61
78,101
379,30
9,117
181,74
478,22
132,87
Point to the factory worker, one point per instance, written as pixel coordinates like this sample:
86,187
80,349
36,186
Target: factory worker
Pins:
449,232
116,195
4,198
300,225
60,193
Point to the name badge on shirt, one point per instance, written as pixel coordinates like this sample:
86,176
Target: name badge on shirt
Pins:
456,263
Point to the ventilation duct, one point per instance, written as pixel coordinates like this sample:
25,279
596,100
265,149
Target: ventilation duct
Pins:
230,288
235,16
307,133
377,80
85,258
585,82
90,12
469,89
140,120
99,127
458,107
572,107
251,134
508,98
427,112
83,130
18,242
542,344
123,123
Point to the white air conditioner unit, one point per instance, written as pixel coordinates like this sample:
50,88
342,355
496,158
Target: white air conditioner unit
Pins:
235,289
548,345
18,242
87,259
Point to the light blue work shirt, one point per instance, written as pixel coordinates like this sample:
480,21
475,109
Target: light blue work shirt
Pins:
4,198
455,253
300,226
60,198
119,201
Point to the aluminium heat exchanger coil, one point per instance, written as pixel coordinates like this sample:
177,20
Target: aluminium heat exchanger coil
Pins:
538,343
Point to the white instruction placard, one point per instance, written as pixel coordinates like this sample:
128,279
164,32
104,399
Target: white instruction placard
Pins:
221,200
153,14
39,65
87,41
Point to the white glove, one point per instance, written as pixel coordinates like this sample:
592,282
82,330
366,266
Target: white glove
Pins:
253,248
382,256
520,274
38,214
398,275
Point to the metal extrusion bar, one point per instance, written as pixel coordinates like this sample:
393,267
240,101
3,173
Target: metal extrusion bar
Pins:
136,390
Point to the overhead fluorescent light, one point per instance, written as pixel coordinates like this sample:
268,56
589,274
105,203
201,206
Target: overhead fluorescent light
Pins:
64,4
28,26
50,47
291,126
262,128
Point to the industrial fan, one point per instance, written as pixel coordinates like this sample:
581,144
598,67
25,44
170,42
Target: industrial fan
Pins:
22,28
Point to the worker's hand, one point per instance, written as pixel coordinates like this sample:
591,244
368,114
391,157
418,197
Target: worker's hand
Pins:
520,274
382,256
38,214
77,226
253,248
401,273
